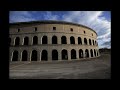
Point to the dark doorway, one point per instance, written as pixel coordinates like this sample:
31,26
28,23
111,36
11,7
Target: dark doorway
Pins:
79,40
44,55
34,55
44,40
80,53
94,52
72,40
73,54
54,40
63,40
17,41
86,53
15,56
93,42
64,55
91,52
35,40
85,41
89,41
54,55
24,55
26,41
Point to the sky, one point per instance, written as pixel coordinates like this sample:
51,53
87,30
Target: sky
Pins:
100,21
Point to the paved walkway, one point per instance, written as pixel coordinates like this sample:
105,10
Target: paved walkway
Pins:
95,68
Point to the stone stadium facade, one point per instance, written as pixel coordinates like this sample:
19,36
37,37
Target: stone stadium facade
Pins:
51,41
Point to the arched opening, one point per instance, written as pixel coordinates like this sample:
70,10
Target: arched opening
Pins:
63,40
35,40
54,55
64,55
94,52
17,41
34,55
72,40
9,41
73,54
26,41
85,41
86,53
91,52
79,40
93,42
54,40
80,53
44,40
24,55
90,41
44,55
15,56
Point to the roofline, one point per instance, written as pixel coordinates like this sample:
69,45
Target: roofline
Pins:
50,22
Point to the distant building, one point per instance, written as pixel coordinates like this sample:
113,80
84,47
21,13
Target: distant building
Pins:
51,40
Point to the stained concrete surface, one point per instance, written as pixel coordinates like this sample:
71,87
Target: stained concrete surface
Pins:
94,68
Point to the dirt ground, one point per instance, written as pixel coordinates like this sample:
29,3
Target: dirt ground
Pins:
94,68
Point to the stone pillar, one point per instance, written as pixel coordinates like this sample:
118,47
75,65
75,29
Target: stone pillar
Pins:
39,40
21,40
29,55
50,55
49,39
69,55
59,40
77,54
89,53
38,55
59,55
19,55
76,40
68,40
31,40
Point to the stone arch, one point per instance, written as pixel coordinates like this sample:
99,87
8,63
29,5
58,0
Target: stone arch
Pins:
94,52
15,56
34,55
93,42
44,40
17,41
91,52
85,41
35,40
72,40
26,41
86,53
79,40
63,40
73,54
44,55
24,55
64,54
54,54
54,40
89,41
80,53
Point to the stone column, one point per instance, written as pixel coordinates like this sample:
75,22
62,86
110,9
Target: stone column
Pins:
49,39
29,55
69,55
59,55
77,54
19,55
38,55
59,40
50,55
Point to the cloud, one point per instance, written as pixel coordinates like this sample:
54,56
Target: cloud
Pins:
20,16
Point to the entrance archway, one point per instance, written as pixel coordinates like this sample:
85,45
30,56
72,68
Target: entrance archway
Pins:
86,53
64,55
24,55
91,52
54,55
73,54
44,55
34,55
80,53
15,56
17,41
